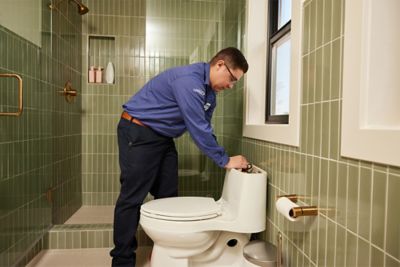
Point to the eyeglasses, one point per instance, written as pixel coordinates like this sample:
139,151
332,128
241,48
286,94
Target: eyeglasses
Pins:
233,78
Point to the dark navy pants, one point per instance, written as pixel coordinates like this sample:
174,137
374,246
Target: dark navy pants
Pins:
148,163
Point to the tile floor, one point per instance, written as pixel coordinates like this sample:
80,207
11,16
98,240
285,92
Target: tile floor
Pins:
98,257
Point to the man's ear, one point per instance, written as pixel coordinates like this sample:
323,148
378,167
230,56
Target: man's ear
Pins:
220,63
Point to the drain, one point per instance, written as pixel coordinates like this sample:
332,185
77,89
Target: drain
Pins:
232,243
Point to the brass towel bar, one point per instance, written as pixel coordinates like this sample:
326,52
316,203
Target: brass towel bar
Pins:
20,95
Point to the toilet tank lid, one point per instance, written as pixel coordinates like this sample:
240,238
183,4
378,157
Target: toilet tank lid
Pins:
182,207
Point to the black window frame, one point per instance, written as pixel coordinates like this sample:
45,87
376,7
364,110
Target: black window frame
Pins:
274,35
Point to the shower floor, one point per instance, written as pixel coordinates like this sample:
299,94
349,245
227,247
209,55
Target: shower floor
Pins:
92,215
98,257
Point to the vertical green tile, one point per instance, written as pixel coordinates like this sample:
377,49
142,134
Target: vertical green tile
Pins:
335,130
61,240
377,257
314,244
332,186
336,67
340,247
313,24
351,247
364,212
69,240
320,22
316,180
84,240
317,129
378,208
310,129
330,244
352,198
304,128
327,20
323,188
363,254
326,72
337,19
322,239
306,29
325,130
342,194
306,84
393,217
312,65
318,75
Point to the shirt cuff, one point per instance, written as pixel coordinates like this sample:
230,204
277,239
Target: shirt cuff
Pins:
223,161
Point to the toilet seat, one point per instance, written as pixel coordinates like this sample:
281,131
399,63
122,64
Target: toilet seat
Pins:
181,209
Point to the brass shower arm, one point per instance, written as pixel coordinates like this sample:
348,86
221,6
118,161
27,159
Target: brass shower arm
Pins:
82,9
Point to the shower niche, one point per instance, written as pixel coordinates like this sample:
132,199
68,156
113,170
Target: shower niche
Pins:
101,59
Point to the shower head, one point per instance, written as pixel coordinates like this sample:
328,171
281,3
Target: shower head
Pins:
82,9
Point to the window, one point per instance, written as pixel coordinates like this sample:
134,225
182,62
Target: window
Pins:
287,97
278,72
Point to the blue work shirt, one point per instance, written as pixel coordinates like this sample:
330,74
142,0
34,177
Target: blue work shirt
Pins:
177,100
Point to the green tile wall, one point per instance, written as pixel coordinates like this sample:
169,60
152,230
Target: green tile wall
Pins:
40,149
149,37
359,226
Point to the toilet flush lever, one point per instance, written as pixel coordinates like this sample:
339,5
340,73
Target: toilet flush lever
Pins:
248,169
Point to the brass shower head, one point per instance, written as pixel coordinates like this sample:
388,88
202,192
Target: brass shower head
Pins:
82,9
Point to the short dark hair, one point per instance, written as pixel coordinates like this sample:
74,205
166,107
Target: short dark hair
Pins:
233,58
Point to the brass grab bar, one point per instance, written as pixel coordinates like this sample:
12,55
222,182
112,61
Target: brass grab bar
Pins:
20,95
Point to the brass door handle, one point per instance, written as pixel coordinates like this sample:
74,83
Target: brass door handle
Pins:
20,95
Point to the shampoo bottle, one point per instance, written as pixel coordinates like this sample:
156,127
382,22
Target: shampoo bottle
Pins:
110,76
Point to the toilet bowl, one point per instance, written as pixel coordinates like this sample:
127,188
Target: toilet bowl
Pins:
201,232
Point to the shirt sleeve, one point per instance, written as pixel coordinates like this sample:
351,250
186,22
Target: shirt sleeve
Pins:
190,97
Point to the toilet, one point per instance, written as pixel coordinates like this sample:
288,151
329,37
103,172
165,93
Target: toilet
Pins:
202,232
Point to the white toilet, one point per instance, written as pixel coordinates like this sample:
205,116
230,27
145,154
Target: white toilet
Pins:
199,231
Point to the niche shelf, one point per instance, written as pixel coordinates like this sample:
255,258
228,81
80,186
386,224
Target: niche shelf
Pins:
101,50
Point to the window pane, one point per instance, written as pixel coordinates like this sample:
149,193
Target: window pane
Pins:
280,83
284,13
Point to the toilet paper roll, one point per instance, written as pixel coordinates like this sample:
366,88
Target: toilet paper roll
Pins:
284,205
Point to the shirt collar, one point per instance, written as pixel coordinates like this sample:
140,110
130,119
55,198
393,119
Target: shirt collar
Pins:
207,78
207,74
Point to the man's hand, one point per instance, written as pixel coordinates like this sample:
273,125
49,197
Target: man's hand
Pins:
237,162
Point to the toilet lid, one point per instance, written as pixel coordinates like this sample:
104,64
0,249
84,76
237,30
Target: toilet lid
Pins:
181,208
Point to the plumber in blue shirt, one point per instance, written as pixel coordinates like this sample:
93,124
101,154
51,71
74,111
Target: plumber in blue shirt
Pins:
176,100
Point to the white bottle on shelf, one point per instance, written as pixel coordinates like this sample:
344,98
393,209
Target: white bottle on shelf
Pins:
110,75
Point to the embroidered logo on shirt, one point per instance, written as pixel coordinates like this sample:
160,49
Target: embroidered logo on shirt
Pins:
199,91
207,106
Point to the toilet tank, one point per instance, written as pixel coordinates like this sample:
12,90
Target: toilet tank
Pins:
244,195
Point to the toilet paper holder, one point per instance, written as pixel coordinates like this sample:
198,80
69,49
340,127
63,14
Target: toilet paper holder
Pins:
303,211
295,212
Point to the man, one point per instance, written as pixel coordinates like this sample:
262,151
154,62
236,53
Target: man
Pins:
174,101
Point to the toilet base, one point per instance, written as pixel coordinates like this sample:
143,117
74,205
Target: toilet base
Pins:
226,251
